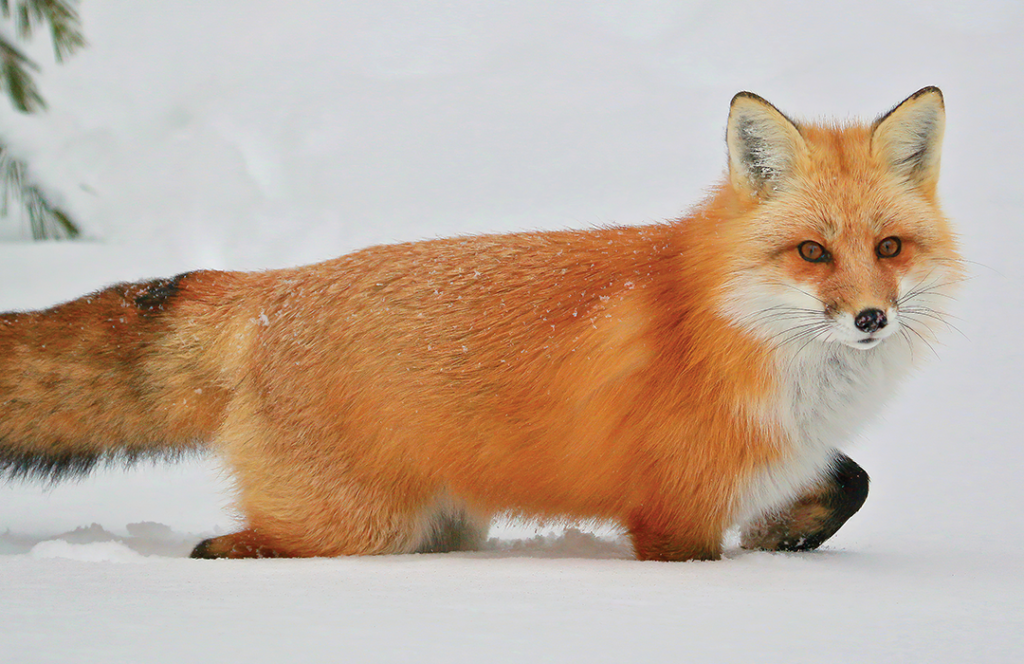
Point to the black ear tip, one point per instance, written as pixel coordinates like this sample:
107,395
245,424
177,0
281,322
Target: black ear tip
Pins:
746,95
931,90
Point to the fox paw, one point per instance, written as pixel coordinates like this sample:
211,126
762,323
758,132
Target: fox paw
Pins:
813,517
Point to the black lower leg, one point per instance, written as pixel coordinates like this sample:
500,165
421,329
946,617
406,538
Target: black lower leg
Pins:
815,516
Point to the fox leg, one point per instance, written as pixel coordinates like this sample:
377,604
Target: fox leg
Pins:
304,500
439,528
300,520
330,514
654,544
309,499
660,535
814,516
450,527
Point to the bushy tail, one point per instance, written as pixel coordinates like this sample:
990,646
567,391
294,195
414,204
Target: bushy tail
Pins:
131,371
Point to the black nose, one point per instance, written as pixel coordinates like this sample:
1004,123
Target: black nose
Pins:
870,320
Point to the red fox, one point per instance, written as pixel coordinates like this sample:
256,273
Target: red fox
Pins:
677,379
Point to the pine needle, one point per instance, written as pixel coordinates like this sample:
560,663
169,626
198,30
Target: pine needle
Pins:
16,80
46,220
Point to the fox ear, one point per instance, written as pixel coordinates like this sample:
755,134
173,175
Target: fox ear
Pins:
909,137
763,145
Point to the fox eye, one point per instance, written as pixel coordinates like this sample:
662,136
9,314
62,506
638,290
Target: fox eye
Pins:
813,252
889,247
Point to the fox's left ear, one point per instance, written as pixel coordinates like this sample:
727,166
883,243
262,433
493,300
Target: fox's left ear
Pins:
909,137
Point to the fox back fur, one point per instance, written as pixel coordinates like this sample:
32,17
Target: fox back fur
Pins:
676,378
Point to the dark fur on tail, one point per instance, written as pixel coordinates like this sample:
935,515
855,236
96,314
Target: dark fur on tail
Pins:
55,468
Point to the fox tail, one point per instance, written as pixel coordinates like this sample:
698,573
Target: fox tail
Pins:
132,371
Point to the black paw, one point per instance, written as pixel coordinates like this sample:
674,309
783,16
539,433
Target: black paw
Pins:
815,516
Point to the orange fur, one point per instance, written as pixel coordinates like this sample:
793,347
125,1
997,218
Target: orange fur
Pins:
395,398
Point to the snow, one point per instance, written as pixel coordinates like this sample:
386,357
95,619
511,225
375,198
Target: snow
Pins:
260,134
114,552
462,608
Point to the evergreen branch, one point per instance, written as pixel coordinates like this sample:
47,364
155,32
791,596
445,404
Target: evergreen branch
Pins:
65,25
47,221
16,79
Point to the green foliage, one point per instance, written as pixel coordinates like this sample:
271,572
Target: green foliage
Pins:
46,220
16,80
15,67
60,15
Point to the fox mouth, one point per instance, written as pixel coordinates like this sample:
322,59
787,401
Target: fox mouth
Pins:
864,343
868,342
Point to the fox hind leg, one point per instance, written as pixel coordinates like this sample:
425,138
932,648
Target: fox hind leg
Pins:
318,515
312,495
315,525
452,527
440,530
816,515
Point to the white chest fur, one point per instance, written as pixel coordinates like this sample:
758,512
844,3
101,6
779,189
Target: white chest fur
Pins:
828,391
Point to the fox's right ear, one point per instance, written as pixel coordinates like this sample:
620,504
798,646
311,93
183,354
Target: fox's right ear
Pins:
763,146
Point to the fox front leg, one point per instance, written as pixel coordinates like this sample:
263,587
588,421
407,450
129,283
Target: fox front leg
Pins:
814,516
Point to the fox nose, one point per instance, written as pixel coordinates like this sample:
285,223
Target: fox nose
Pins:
870,320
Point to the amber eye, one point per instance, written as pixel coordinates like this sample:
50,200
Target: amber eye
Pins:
813,252
889,247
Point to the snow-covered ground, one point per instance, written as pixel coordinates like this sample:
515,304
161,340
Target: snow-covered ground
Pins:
250,133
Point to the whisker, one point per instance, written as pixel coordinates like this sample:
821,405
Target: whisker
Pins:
919,336
902,333
808,332
930,314
938,312
967,262
922,291
776,311
796,332
767,315
819,332
800,290
931,287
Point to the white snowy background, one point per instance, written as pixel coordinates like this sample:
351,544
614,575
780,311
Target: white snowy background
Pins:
250,134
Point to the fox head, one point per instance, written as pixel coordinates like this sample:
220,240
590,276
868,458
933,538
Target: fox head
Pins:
836,231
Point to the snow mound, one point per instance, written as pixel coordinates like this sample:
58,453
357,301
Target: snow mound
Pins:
568,543
93,552
145,539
